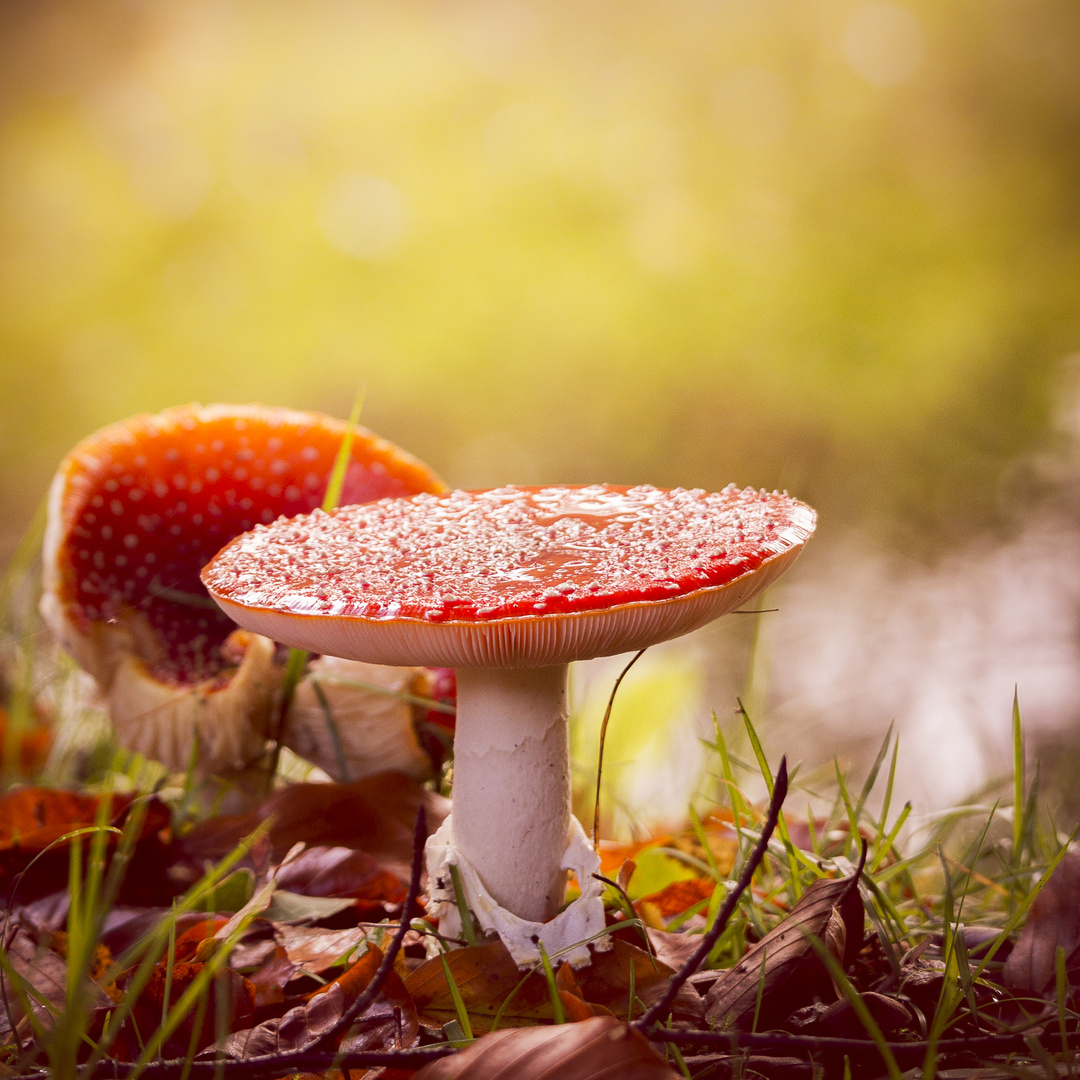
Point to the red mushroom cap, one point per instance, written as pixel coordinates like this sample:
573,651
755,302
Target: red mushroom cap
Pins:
511,577
139,507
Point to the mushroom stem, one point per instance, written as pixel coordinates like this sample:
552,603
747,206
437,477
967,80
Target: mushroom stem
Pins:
511,797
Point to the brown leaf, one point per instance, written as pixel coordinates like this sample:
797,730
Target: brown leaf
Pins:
840,1019
607,979
673,949
389,1022
40,968
376,815
575,1007
315,950
1052,923
486,976
677,897
343,872
270,978
595,1048
32,819
783,964
230,996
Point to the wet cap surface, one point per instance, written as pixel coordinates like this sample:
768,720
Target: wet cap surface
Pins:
506,554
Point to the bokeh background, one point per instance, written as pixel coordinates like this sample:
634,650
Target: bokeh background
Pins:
824,245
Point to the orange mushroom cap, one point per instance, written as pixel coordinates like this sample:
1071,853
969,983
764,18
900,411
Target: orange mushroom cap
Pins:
138,508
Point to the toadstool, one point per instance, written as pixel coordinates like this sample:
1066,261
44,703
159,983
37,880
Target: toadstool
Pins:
136,510
508,586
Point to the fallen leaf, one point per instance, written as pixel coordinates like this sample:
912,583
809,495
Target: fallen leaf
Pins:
40,968
783,966
389,1022
839,1018
376,815
231,997
486,976
344,873
1052,923
672,949
316,950
270,978
288,907
575,1007
33,820
609,977
600,1047
677,897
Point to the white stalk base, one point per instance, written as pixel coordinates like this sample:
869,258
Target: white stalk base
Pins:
564,937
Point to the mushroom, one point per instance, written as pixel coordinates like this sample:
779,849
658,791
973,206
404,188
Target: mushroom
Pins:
508,586
135,510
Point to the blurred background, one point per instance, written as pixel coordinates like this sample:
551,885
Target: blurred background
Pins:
825,245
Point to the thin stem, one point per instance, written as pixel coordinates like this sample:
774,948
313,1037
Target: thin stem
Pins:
600,753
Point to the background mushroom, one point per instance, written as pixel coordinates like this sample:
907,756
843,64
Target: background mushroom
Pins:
508,586
136,510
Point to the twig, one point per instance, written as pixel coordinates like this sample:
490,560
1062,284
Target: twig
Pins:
659,1008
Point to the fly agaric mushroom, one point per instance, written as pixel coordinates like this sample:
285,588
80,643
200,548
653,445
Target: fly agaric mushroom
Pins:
508,586
136,510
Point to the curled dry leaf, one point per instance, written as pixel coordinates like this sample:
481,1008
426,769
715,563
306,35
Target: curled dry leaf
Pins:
783,965
351,719
1052,923
600,1047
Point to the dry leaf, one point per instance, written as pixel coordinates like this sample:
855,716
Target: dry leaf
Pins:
675,898
600,1047
41,969
344,872
231,997
1052,923
486,976
32,819
607,981
376,815
575,1007
316,950
783,965
388,1023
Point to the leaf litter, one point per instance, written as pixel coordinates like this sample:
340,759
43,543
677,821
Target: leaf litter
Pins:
255,951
